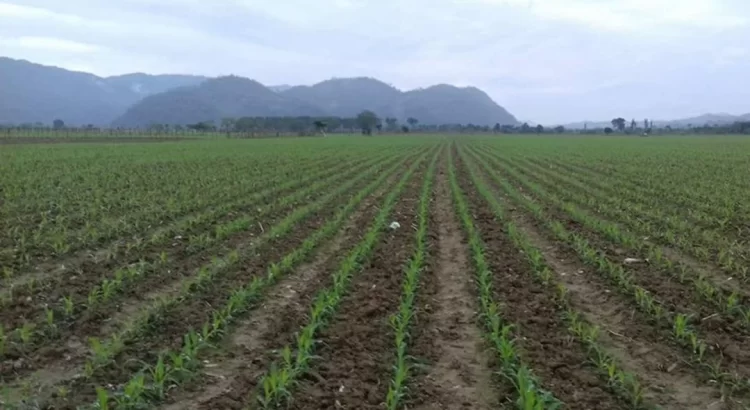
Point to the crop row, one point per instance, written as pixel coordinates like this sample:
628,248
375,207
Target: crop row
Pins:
60,240
59,232
530,394
650,218
678,325
727,301
50,320
276,385
402,319
623,382
140,324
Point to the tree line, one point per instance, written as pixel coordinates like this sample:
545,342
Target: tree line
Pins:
367,123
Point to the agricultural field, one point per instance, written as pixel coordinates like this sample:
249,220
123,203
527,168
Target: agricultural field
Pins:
421,272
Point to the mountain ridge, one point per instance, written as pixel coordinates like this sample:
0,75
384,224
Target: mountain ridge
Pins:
339,97
36,93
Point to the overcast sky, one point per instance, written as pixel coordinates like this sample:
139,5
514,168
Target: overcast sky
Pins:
544,60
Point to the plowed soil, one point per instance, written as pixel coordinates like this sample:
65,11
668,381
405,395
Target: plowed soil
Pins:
356,353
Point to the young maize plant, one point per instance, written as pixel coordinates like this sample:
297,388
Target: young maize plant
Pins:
624,383
279,381
205,240
531,395
206,274
650,221
623,282
3,339
727,303
704,288
154,211
108,288
401,320
278,183
184,364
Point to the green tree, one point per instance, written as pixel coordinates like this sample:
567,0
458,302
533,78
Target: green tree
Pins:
366,121
619,123
228,124
202,126
412,122
244,124
320,126
391,123
539,129
58,124
559,129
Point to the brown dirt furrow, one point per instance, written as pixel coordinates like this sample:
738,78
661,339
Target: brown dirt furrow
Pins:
166,331
164,281
722,333
639,348
457,368
52,276
88,268
106,318
356,348
233,370
560,363
720,279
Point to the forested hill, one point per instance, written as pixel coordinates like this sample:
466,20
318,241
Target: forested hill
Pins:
33,93
237,97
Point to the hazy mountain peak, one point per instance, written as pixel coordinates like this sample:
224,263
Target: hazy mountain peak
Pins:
32,92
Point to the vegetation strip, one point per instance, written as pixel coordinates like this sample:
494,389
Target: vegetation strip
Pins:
181,226
275,387
733,303
626,384
402,319
710,245
47,327
678,324
722,331
530,394
103,352
709,211
63,240
186,361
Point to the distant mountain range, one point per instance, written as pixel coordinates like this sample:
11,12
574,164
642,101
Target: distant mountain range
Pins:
344,97
31,93
698,121
35,93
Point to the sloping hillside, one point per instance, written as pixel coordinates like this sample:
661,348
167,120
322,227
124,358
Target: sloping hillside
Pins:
213,100
36,93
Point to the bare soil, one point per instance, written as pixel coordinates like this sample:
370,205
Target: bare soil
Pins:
724,334
639,348
165,332
234,369
456,366
559,362
165,281
356,353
